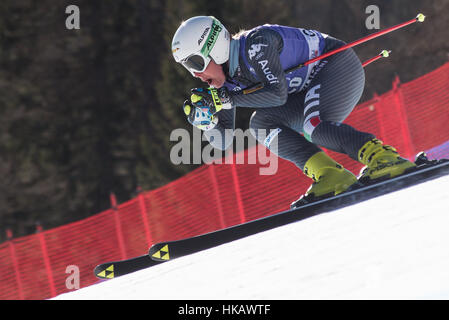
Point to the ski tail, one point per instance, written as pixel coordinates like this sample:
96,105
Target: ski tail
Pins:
160,252
104,271
114,269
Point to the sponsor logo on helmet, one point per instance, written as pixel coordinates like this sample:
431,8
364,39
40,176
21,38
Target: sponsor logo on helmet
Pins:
203,35
212,38
173,45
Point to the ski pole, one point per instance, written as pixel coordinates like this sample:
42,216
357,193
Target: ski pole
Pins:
420,18
382,54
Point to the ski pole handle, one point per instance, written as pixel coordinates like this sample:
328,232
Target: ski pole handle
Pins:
382,54
420,18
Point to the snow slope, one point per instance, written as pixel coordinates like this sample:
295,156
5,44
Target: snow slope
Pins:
392,247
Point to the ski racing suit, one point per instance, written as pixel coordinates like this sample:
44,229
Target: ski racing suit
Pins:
301,110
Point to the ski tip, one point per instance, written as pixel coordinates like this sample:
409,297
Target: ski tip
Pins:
104,271
160,252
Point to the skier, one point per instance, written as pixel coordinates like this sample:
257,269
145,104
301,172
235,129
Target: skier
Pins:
301,110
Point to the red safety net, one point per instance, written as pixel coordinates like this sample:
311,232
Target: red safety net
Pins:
412,117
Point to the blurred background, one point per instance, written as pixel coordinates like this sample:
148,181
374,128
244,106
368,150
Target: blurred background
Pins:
87,112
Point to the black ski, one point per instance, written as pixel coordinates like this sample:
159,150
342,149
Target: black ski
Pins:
116,269
425,170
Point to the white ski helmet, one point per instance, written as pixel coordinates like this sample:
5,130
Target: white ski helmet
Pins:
198,40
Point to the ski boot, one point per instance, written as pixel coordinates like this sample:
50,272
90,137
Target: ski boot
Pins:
381,162
329,177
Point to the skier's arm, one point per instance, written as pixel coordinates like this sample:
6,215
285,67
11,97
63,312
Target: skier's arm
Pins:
262,53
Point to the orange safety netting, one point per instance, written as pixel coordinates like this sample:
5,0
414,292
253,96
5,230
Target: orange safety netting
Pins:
412,117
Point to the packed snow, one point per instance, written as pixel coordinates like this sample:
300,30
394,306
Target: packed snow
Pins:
392,247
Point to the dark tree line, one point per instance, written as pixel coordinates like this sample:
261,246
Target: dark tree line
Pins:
87,112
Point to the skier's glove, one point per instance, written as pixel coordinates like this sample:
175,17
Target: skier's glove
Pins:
215,99
199,116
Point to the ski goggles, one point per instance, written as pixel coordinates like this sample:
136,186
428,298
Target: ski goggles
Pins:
199,61
196,63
